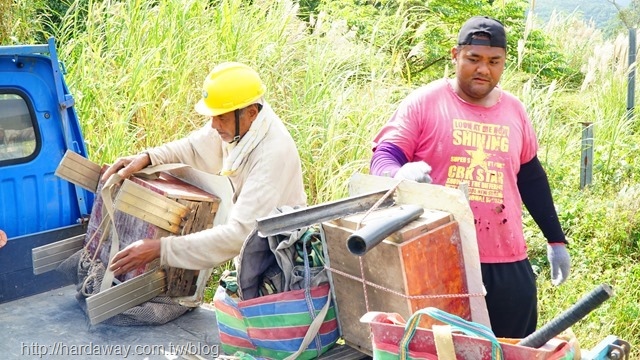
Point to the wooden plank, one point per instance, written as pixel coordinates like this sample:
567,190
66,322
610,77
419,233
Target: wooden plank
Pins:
206,213
79,170
166,209
216,185
181,282
78,178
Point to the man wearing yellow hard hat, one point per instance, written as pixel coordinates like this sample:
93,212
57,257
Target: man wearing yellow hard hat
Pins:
243,140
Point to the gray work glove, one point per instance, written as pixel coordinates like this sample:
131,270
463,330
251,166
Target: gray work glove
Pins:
417,171
560,262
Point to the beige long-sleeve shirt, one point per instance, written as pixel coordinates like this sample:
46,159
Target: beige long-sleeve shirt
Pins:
269,177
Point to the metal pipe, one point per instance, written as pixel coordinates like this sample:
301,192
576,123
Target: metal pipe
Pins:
298,218
631,85
365,239
579,310
586,165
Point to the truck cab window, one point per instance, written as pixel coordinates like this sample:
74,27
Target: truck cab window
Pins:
17,135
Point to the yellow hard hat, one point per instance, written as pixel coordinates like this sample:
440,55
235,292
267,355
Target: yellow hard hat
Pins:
229,86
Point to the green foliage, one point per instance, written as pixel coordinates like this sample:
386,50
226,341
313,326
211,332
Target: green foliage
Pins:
572,52
308,8
23,22
534,51
5,20
214,281
53,14
603,229
543,59
418,36
19,21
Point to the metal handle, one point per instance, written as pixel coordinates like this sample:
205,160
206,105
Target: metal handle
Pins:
579,310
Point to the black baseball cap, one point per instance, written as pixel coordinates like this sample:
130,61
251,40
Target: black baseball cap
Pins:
483,25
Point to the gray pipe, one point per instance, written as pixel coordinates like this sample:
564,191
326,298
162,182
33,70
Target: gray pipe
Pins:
371,235
631,84
586,164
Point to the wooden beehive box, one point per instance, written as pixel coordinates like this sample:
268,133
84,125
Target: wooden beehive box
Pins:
195,211
424,258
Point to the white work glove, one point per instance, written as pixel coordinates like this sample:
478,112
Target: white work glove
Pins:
560,262
417,171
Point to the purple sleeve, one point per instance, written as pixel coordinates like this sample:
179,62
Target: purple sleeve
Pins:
386,160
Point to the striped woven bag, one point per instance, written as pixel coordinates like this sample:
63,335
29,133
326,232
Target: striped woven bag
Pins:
296,324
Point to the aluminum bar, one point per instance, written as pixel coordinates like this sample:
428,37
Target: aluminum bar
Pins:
296,219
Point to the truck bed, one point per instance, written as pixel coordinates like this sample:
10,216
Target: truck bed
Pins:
52,325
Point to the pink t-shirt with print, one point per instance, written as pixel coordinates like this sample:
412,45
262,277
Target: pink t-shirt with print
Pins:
481,146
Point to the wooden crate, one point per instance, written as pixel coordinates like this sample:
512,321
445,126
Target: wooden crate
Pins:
194,211
423,258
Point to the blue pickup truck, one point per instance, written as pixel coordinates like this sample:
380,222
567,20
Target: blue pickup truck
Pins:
39,314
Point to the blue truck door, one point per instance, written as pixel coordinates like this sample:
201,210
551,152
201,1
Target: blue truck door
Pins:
37,125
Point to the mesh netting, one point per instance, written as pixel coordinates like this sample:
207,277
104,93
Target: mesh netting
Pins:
87,274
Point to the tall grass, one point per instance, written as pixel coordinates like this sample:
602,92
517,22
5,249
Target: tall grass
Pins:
135,73
145,61
20,21
136,68
5,19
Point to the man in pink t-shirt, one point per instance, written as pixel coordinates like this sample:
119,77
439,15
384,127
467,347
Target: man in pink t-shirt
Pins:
468,130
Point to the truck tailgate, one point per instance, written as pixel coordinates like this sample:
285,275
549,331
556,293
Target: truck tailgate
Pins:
17,279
